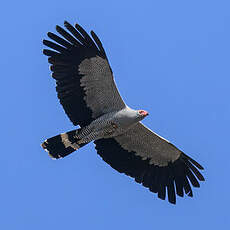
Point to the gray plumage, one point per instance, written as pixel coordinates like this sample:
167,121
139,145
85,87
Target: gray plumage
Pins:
101,94
89,96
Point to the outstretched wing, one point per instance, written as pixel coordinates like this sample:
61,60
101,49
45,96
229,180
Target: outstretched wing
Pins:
84,79
152,161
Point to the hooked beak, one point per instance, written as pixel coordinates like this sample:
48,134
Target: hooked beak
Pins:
145,113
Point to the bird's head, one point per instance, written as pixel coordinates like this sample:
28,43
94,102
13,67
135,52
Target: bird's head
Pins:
142,113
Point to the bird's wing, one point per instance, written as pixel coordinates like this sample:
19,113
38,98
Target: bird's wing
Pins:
152,161
84,79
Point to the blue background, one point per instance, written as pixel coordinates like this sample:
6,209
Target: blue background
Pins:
170,58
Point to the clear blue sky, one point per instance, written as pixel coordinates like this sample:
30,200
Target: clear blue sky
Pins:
171,58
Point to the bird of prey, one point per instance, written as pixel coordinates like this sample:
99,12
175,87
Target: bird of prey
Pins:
87,91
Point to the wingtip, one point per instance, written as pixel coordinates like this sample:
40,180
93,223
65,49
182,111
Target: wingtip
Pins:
45,42
172,202
193,161
66,23
76,25
201,167
202,178
45,52
190,193
198,165
58,28
93,34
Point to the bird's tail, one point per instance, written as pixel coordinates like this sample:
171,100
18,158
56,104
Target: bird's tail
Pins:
62,144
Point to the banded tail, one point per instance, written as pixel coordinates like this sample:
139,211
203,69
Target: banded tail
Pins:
63,144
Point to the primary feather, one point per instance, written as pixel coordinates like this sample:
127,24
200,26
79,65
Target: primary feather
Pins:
86,89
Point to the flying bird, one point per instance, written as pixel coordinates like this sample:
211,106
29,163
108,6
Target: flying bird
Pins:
87,91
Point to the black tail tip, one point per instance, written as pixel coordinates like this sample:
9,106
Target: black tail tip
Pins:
44,145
